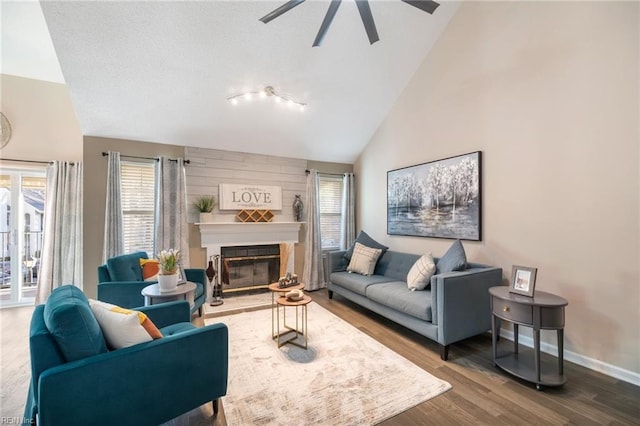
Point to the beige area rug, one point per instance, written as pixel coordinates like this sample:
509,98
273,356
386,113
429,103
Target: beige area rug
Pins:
344,378
239,303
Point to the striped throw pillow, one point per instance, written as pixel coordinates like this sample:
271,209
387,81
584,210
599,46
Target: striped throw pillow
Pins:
420,274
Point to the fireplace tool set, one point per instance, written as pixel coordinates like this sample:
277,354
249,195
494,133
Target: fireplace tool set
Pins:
214,280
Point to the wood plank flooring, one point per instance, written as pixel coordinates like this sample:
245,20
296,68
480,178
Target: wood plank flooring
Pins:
481,393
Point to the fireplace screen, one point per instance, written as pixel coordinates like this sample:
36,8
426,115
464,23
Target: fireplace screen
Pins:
246,267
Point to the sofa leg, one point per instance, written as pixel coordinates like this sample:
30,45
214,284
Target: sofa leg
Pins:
215,407
330,294
444,352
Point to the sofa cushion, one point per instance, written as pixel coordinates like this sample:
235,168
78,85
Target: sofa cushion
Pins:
420,274
126,267
72,324
123,327
364,259
396,295
355,282
395,265
364,239
454,259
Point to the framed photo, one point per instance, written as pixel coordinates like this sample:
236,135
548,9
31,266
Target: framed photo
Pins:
523,280
439,199
182,277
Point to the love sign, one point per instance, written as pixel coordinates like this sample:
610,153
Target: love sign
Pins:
250,196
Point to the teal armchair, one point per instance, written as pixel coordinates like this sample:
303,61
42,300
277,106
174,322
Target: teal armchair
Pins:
120,282
76,380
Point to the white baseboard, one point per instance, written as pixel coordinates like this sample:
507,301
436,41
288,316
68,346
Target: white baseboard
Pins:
590,363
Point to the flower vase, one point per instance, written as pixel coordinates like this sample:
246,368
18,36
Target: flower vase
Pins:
168,283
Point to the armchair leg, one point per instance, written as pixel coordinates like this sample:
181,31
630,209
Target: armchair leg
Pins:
444,352
215,403
200,311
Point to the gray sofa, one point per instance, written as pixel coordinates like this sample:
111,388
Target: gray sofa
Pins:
456,305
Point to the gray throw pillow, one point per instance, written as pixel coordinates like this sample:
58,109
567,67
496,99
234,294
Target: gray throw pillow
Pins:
453,260
364,239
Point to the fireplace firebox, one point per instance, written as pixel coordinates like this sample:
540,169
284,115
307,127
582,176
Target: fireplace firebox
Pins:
249,267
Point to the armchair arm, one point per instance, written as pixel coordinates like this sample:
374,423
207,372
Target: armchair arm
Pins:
460,302
127,294
145,384
337,261
168,313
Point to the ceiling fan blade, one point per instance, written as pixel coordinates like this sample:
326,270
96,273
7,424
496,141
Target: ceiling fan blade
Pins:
328,18
428,6
279,11
367,20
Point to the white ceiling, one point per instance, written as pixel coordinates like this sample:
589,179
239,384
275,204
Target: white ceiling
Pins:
161,71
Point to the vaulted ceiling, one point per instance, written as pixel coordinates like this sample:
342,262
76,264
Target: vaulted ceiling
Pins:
162,71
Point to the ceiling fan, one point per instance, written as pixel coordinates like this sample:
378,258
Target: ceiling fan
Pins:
428,6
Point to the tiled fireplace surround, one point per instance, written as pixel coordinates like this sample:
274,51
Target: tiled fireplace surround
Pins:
216,235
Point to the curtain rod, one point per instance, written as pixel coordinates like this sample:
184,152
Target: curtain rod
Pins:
307,171
26,161
104,154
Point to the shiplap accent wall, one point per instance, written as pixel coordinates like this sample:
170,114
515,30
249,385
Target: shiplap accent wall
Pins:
211,167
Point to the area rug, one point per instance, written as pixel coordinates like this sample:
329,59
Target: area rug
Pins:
344,377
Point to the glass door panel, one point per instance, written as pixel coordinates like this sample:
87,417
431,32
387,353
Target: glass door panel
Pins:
21,226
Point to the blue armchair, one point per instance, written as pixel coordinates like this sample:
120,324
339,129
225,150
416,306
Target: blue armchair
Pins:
75,380
120,282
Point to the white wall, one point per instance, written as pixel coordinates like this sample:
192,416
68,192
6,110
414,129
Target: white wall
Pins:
43,120
549,92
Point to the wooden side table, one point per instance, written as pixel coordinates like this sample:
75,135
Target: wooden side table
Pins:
153,295
300,329
275,289
544,311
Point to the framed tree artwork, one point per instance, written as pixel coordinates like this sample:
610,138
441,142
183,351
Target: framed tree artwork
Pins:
438,199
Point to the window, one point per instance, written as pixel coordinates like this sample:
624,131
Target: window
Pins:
137,182
330,188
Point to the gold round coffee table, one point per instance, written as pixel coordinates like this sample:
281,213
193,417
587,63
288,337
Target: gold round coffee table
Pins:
281,292
300,329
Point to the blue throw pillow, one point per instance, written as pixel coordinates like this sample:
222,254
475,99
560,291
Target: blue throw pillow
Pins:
72,324
364,239
453,260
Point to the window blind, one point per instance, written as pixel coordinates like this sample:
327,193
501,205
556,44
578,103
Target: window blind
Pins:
137,180
330,188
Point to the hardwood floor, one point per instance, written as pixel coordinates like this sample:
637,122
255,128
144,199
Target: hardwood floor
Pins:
481,393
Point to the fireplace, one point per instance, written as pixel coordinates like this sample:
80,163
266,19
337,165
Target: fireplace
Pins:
216,235
249,267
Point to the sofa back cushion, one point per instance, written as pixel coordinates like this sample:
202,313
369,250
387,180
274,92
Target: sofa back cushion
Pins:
395,265
126,267
72,324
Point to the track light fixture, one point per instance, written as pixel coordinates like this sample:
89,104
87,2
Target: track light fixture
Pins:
267,92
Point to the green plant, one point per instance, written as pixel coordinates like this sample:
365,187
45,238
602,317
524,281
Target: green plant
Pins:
205,204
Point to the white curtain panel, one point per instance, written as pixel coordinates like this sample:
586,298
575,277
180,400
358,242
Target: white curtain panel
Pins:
113,228
313,273
62,237
348,216
171,229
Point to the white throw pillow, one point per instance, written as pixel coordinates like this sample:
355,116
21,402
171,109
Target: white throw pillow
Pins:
123,327
421,272
363,260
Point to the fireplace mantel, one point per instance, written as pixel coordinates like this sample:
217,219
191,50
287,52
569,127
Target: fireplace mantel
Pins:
247,233
215,235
